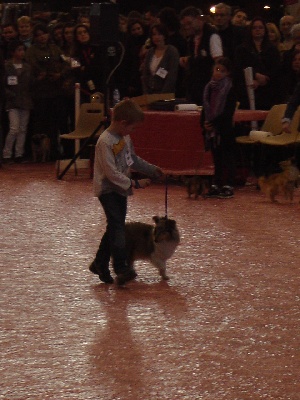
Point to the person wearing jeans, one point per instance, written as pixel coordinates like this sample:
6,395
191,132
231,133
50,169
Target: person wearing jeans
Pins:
18,101
18,122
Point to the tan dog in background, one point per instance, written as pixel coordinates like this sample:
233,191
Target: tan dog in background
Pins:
283,182
40,147
156,243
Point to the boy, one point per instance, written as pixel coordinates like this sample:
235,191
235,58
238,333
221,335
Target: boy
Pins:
114,158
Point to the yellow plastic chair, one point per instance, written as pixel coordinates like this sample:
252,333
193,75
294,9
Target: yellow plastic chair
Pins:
286,139
283,146
90,116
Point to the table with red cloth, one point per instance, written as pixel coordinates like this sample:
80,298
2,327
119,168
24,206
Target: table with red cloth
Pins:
174,141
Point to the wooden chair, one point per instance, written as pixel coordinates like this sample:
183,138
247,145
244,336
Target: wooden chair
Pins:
90,116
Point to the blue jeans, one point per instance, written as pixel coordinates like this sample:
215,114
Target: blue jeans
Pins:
112,244
18,122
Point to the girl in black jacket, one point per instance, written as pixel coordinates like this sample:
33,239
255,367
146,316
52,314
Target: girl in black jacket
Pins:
219,104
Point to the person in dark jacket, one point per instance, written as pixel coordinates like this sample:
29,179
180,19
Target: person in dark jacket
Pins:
219,103
204,47
134,57
18,101
9,32
88,67
48,70
259,53
291,108
231,35
2,97
170,19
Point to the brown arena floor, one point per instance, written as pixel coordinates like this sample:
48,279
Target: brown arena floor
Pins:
226,325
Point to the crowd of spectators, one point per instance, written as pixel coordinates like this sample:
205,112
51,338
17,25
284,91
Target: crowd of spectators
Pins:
159,51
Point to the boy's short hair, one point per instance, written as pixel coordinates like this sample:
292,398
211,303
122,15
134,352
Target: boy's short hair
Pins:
127,110
24,20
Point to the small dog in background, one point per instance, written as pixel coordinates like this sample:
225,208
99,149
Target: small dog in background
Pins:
196,186
40,147
156,243
283,182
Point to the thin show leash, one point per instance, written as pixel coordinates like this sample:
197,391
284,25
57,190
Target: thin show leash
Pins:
166,197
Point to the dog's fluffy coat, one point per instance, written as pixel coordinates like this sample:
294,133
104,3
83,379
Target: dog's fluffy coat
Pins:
40,147
156,243
195,185
283,182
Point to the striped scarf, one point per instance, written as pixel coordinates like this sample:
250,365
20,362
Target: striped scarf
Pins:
215,96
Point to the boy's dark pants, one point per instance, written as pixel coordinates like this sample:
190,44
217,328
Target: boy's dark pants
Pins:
113,241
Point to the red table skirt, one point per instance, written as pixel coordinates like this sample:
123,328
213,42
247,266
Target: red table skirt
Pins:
174,141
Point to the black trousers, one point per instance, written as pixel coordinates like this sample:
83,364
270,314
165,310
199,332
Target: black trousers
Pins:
113,241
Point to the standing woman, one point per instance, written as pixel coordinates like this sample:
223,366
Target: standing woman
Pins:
161,63
88,63
275,37
2,99
134,57
68,84
48,69
18,101
259,53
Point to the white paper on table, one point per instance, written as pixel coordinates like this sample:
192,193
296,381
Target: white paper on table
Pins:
186,107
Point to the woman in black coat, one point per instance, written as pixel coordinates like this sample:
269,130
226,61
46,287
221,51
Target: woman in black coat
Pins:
87,63
258,52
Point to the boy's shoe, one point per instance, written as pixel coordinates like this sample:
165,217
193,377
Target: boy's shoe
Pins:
213,192
106,277
226,192
103,276
126,276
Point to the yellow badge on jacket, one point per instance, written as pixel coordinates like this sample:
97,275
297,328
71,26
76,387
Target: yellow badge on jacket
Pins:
118,147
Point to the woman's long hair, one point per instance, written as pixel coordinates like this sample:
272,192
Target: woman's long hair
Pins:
249,39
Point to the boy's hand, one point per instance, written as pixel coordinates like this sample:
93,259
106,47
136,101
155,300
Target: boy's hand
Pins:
142,183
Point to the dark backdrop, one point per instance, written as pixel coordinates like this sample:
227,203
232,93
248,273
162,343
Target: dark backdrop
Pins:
253,8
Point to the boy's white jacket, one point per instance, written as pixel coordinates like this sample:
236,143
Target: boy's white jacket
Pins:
114,159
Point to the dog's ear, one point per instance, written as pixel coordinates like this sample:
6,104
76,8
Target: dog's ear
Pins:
156,219
171,223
